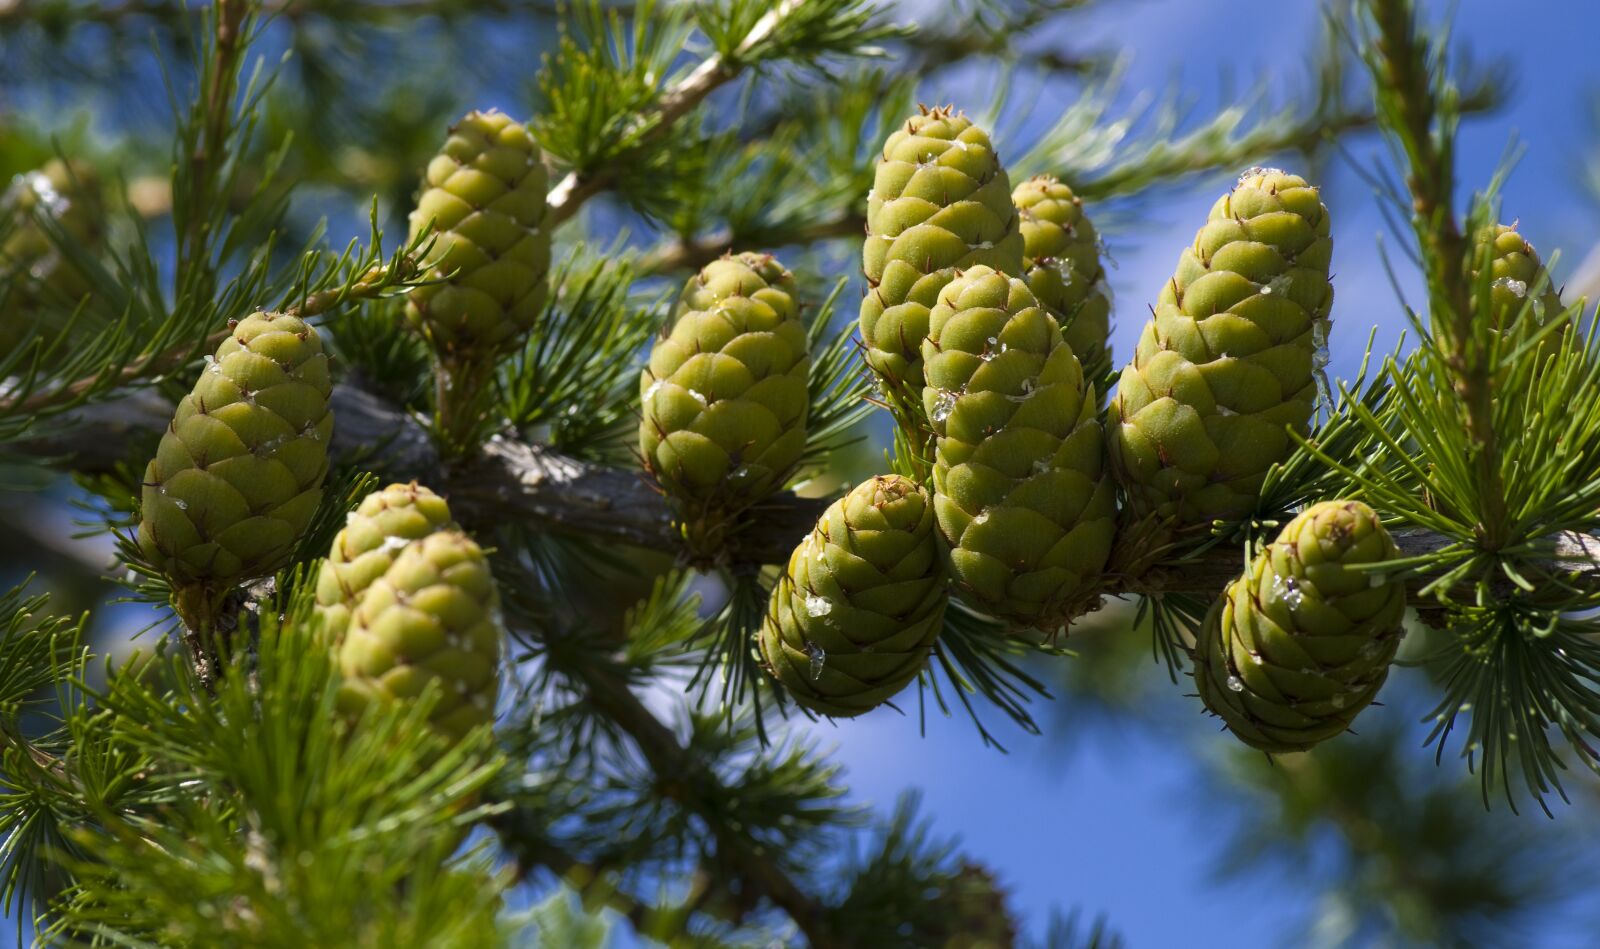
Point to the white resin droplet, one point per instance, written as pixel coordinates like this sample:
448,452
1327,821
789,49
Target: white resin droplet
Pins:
1255,170
943,406
1234,684
818,606
818,657
1518,288
1288,590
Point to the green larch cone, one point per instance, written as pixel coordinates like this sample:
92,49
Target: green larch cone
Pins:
484,194
238,474
376,531
1515,271
1228,362
30,263
1022,499
1061,263
724,397
433,616
856,613
1300,644
940,201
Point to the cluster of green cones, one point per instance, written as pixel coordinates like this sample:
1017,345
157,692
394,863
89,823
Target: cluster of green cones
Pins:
405,600
1022,492
986,323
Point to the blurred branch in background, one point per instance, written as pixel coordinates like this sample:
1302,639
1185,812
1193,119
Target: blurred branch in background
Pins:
1402,853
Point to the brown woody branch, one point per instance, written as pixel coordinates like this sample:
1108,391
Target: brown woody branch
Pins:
513,480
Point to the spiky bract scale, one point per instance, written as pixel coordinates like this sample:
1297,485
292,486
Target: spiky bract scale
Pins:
857,610
1022,498
432,617
940,201
376,531
1061,264
1300,644
484,194
238,474
1226,366
724,397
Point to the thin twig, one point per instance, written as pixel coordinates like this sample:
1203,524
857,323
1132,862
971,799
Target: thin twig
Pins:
570,193
373,283
1424,126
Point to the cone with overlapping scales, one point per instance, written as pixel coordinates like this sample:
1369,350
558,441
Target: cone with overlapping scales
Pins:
1061,263
484,196
376,531
1296,647
940,200
238,474
725,395
433,617
1227,365
856,612
1023,502
1515,272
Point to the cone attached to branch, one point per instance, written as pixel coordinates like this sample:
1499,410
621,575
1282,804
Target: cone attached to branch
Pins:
1023,502
238,474
1227,365
940,201
484,195
383,525
1300,644
856,612
724,397
432,617
1061,263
